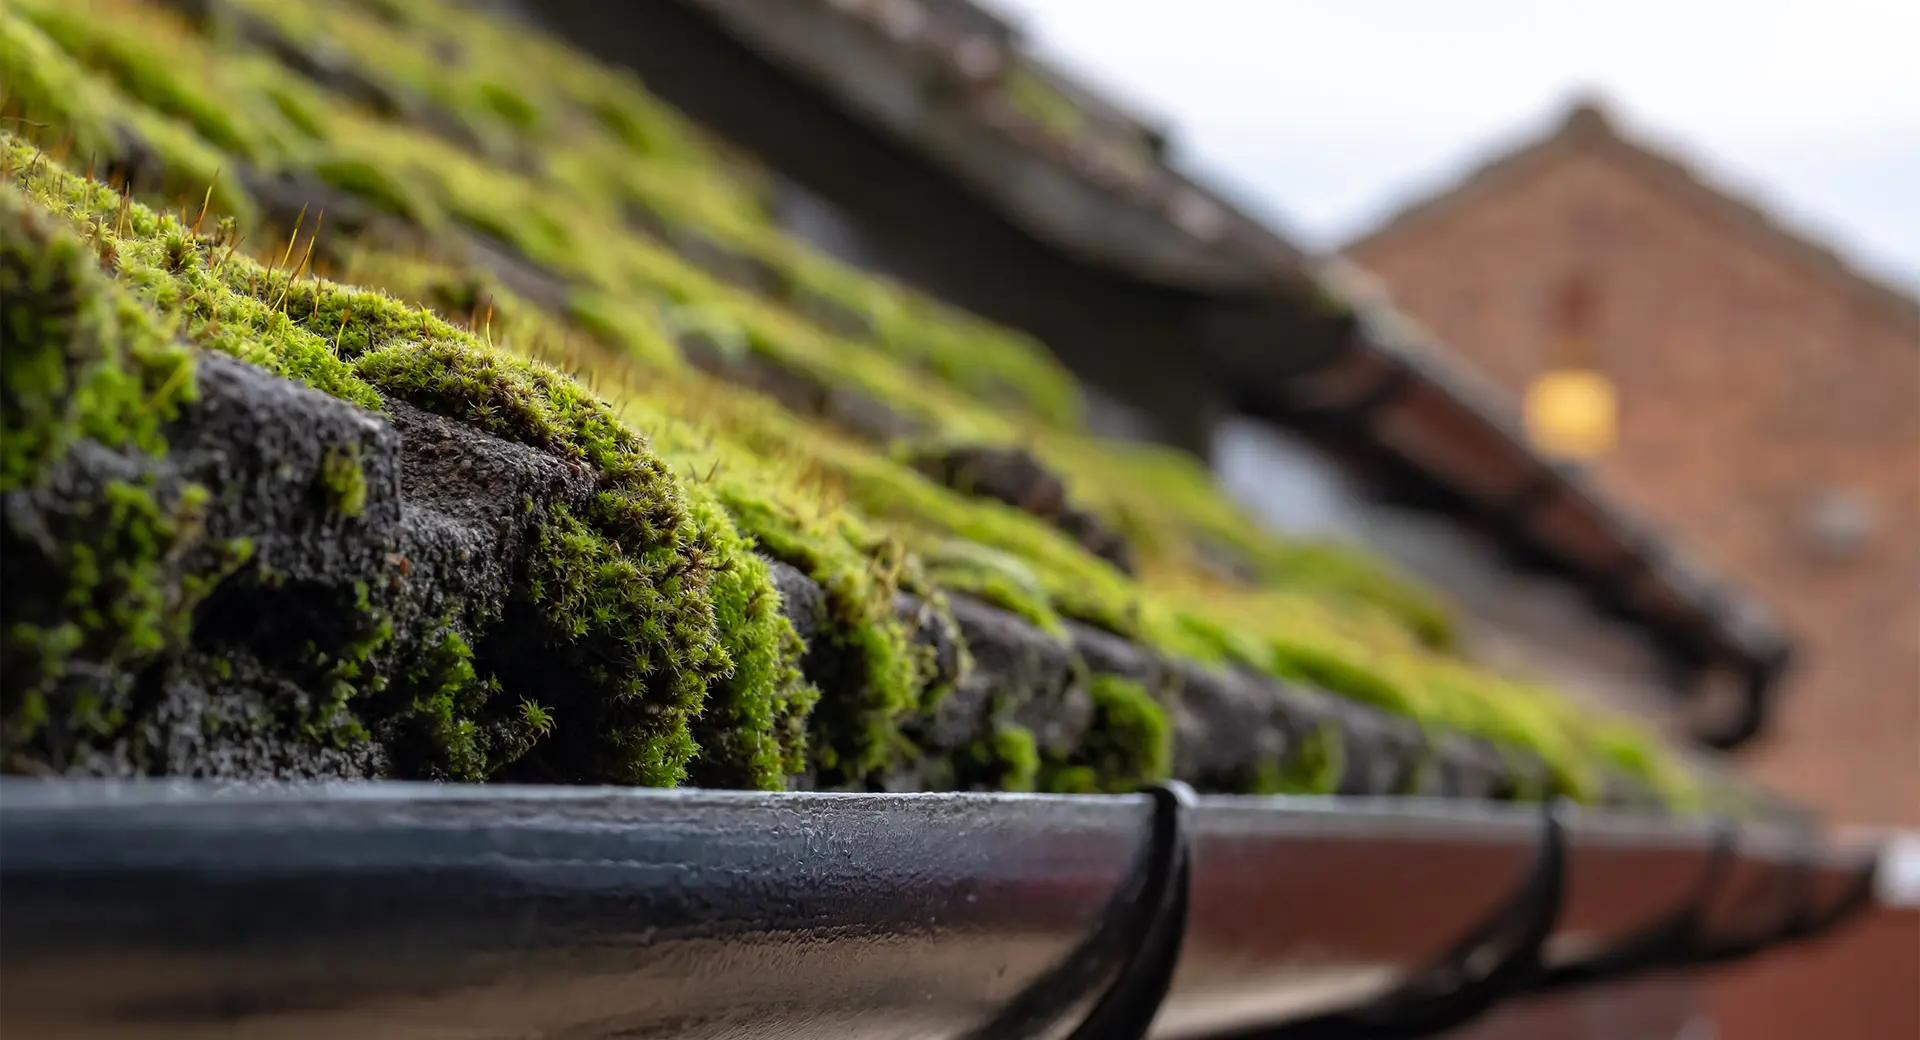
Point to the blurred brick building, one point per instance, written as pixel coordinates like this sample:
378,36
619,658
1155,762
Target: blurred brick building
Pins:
1769,421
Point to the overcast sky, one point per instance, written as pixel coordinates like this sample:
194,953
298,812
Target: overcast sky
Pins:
1329,114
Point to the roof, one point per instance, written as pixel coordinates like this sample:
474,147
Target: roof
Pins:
544,455
1587,129
1019,130
910,74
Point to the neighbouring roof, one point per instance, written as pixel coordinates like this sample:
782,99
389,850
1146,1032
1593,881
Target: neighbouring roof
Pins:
1587,129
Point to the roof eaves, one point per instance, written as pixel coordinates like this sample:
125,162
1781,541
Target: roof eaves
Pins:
929,81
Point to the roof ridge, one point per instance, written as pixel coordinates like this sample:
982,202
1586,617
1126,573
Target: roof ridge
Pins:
1588,126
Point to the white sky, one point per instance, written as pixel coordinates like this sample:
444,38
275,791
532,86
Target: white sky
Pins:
1327,115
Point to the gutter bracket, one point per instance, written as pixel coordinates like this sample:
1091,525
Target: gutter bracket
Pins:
1498,959
1142,930
1673,940
1706,950
1678,941
1809,925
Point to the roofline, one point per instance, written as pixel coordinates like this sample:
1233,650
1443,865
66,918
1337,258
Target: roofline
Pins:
1265,319
560,910
1587,129
933,83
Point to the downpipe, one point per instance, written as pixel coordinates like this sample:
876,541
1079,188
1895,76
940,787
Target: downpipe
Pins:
179,909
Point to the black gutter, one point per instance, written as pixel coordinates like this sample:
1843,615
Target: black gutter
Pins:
180,909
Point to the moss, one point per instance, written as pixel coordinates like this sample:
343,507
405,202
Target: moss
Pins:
1314,765
444,718
856,734
400,173
993,365
376,186
1345,670
1033,96
113,584
1634,752
1008,761
1078,584
1177,517
45,87
625,586
1130,742
449,697
1030,92
625,327
148,74
346,670
342,480
995,577
80,360
753,731
508,104
488,131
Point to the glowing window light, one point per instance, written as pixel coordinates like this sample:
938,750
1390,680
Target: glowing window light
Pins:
1571,410
1572,414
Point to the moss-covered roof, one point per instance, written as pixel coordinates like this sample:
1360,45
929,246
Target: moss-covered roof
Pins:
434,215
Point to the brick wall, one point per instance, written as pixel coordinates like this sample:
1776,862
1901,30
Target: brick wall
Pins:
1752,388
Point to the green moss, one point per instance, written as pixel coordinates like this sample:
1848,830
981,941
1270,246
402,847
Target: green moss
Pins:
625,327
500,134
343,481
375,185
235,105
1079,585
113,584
1030,92
753,732
995,577
1015,748
626,634
81,361
992,365
1129,743
1314,765
1177,517
1009,761
1345,670
624,586
1627,747
147,74
344,671
449,697
856,734
45,87
508,104
1032,96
